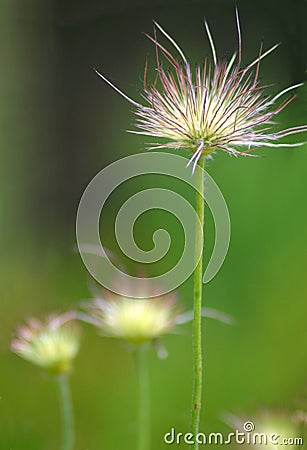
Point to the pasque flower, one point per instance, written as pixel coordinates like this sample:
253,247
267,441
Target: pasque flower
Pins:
134,320
220,105
51,344
141,319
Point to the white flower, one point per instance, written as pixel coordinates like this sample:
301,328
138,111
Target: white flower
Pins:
134,320
51,344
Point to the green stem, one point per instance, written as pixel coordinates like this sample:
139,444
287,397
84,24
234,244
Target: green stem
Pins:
143,398
67,412
197,306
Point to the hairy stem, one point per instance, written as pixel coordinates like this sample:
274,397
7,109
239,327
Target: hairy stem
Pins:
197,305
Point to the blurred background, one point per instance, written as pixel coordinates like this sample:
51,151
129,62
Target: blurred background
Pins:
60,125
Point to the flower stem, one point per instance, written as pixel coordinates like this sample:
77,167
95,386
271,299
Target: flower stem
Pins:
197,305
67,412
143,398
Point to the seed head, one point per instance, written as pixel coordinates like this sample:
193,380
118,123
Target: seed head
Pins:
220,106
51,344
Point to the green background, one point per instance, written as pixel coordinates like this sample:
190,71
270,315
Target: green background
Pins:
59,125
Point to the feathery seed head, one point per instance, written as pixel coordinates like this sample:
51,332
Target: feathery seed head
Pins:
219,106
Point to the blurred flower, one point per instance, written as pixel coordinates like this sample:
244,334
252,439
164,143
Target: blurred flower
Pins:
274,429
134,320
300,416
51,344
277,423
142,319
221,106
